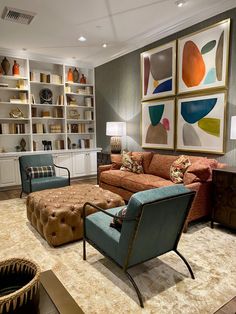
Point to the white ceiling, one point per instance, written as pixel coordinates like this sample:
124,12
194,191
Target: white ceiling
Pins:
124,25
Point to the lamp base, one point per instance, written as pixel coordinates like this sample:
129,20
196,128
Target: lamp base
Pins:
115,145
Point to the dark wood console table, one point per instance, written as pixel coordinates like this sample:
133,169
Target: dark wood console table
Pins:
224,197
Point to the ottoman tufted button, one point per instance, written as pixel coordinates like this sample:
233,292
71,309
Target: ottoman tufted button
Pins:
53,214
63,220
73,229
72,208
53,234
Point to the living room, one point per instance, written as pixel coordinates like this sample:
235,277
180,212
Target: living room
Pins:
64,84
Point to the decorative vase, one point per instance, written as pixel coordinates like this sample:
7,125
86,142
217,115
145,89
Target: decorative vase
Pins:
75,76
16,68
70,75
19,286
22,145
5,66
82,79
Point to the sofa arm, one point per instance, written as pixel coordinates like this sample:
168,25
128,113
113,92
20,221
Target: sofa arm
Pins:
102,168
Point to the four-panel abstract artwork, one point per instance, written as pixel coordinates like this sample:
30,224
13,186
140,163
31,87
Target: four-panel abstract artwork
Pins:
186,108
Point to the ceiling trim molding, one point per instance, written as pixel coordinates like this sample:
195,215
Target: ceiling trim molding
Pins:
42,58
170,29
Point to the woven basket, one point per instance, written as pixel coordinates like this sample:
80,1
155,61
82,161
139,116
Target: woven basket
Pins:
19,286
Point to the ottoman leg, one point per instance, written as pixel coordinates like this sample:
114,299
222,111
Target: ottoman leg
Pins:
84,249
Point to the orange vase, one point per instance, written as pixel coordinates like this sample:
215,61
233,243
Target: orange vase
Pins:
82,79
70,75
16,68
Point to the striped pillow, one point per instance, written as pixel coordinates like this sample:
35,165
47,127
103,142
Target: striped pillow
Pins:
40,172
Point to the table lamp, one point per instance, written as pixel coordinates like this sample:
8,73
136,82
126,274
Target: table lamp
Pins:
116,130
233,128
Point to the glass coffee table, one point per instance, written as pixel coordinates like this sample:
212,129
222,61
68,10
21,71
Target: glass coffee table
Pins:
54,298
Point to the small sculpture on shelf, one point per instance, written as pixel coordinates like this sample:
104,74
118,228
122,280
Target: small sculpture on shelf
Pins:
16,113
23,145
5,66
47,145
70,75
82,79
16,69
75,76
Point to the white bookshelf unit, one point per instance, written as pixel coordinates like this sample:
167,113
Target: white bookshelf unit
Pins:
48,113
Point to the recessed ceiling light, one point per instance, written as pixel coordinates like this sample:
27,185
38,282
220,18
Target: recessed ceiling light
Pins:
82,38
180,3
104,45
24,49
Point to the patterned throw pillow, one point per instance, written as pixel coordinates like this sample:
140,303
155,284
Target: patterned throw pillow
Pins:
40,172
178,168
131,163
117,221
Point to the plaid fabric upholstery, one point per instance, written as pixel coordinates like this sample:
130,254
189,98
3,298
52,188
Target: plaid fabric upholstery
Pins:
40,172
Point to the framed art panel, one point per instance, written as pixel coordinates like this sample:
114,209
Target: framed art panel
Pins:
201,123
157,127
158,71
203,58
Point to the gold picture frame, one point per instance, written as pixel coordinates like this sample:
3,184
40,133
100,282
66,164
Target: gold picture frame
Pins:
158,72
203,58
158,124
201,122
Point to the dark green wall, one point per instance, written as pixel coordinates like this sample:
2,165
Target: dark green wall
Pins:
118,90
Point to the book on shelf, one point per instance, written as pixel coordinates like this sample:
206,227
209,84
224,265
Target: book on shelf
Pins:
88,115
58,113
5,128
54,79
59,144
38,128
34,76
55,128
85,143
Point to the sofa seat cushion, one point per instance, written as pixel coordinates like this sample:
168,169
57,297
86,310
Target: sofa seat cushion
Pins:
108,239
141,182
114,177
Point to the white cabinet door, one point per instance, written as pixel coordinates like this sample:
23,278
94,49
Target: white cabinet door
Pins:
84,164
79,164
63,160
91,159
9,172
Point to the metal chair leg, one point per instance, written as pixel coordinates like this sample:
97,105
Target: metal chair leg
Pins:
186,263
84,249
136,288
21,193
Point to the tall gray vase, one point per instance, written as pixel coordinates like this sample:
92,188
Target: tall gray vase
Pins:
5,66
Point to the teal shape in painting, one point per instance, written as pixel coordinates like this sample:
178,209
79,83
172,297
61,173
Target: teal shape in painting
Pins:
194,110
208,47
155,114
210,77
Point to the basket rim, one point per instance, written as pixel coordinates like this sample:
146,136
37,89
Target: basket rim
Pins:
28,286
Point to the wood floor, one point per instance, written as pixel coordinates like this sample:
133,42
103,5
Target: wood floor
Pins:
9,193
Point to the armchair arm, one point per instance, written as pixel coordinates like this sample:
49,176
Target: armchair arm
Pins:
105,212
68,171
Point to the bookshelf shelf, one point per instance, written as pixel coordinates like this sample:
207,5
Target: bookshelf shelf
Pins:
14,89
77,94
14,119
11,77
12,103
78,84
46,118
20,134
77,106
47,105
45,83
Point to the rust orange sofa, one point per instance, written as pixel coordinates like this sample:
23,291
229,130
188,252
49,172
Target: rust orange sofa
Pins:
157,174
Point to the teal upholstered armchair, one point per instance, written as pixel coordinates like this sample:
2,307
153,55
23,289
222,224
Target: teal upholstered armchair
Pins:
152,226
38,173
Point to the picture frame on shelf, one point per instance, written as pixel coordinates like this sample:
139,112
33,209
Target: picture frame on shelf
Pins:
203,59
158,74
158,124
73,114
201,123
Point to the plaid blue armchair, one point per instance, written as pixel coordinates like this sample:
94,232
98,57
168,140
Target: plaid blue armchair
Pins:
30,182
152,226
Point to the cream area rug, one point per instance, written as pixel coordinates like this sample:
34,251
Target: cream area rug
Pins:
98,286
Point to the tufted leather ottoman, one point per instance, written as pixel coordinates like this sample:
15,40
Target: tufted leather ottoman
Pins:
56,213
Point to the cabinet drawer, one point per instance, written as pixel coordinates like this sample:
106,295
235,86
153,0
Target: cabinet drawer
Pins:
224,179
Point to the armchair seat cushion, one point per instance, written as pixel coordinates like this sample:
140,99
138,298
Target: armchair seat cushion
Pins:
98,230
39,184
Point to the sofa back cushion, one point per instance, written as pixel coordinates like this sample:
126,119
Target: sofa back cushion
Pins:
160,165
146,159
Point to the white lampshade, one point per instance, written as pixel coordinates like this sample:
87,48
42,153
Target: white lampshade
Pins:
233,128
115,128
